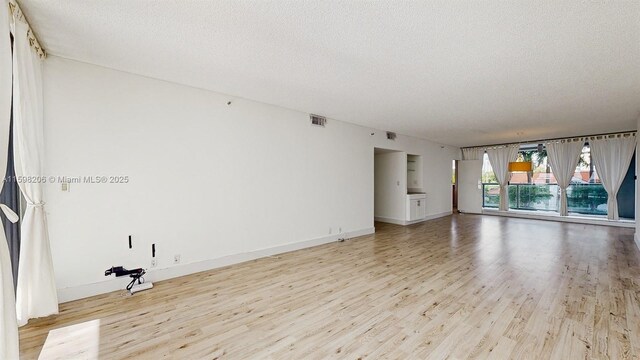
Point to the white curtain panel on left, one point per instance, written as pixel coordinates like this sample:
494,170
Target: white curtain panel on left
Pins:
9,348
36,291
500,158
612,156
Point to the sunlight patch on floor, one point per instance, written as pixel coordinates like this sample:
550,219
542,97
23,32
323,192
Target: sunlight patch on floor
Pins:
80,341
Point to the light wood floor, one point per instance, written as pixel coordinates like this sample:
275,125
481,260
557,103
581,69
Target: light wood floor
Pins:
459,287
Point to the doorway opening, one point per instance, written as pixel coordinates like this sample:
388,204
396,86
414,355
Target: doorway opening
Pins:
399,197
454,186
389,184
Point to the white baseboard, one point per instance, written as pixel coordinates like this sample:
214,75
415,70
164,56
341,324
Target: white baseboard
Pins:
555,217
389,220
439,215
87,290
405,222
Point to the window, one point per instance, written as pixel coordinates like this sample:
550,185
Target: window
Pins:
538,190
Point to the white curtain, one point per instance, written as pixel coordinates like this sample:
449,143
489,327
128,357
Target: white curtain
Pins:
611,157
472,153
36,291
500,158
8,325
563,160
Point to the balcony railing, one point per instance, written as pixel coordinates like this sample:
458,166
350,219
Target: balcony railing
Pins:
589,199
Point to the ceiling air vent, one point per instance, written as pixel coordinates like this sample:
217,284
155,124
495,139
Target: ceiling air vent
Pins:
318,120
391,135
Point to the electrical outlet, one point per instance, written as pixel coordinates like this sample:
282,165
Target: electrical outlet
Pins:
330,231
340,230
154,263
176,259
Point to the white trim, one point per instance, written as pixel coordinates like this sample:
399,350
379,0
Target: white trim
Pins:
405,222
637,240
411,222
86,290
536,215
389,220
438,215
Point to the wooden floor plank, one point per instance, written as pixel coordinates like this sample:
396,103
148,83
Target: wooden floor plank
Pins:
458,287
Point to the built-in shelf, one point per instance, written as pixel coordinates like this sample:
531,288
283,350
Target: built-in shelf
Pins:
414,172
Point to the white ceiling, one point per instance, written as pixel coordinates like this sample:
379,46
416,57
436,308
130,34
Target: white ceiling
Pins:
456,72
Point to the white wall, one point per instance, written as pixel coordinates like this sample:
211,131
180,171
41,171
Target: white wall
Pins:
390,186
216,184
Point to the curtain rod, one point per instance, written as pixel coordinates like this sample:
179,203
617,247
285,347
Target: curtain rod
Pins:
17,13
552,139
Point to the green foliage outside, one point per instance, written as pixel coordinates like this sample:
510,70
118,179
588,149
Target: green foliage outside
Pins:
520,196
488,177
582,198
528,196
585,198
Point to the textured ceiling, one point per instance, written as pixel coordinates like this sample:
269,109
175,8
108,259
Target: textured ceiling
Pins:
456,72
